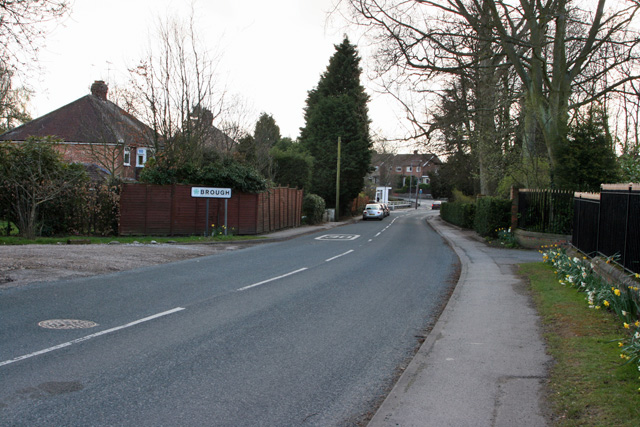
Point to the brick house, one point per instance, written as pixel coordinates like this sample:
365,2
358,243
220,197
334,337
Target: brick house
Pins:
94,132
392,170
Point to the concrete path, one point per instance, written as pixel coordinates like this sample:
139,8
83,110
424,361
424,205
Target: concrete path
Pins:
484,363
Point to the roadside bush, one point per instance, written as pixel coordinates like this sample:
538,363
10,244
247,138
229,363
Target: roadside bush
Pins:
32,175
313,207
457,213
492,214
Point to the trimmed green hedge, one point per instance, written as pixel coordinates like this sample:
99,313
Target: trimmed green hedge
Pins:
485,216
457,213
492,213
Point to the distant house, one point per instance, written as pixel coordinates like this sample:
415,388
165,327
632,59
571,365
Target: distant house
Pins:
94,132
398,169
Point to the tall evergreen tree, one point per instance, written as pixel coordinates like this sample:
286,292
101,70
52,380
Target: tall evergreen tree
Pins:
337,108
265,135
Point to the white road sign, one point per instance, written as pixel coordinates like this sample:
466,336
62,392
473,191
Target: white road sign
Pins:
211,193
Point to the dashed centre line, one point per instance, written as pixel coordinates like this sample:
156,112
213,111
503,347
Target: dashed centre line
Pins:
338,256
271,280
165,313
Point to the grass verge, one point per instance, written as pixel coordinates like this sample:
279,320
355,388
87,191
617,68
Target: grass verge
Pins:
14,240
589,384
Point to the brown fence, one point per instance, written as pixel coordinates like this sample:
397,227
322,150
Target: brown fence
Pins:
160,210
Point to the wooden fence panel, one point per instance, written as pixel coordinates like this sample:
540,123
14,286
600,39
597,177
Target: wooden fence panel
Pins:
170,210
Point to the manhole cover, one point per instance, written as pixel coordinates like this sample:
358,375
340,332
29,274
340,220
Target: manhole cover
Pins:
67,324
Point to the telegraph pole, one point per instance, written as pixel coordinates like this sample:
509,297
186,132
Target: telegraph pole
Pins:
338,184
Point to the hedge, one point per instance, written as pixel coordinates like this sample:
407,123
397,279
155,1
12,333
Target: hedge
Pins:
457,213
485,216
492,214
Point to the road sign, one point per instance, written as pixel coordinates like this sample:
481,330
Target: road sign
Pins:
211,192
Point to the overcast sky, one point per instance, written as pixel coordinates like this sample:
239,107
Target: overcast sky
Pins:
273,52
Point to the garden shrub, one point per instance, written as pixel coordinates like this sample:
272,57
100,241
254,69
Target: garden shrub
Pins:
492,214
313,207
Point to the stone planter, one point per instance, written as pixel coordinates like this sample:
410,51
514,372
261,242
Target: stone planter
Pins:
533,240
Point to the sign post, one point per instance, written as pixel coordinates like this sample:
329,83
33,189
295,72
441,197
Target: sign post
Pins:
213,193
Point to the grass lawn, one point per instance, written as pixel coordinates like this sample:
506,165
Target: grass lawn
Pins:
590,385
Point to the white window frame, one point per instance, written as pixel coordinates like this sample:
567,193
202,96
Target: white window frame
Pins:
126,156
417,168
398,168
409,169
141,157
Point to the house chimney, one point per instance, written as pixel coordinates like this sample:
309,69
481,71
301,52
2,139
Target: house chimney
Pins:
99,88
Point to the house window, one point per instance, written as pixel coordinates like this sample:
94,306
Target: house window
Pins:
417,168
398,168
141,157
409,168
127,156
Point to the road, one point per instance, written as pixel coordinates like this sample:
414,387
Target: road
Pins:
311,331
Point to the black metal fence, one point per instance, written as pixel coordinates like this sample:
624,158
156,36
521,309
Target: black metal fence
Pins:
610,224
545,211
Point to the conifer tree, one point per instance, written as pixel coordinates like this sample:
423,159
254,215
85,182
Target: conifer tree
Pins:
337,108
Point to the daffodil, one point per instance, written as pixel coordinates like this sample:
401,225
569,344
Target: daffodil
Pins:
617,292
606,303
626,325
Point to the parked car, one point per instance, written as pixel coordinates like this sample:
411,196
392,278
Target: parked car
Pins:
373,211
436,205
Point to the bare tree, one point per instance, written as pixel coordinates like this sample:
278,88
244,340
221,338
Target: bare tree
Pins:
178,90
560,53
13,102
23,27
236,121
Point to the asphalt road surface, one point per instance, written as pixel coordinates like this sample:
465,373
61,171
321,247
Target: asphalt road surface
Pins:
311,331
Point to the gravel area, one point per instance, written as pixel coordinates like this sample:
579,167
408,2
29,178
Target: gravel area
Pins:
20,265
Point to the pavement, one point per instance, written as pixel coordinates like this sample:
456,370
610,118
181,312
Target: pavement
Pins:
484,363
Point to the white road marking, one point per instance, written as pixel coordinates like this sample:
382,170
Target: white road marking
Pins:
338,256
270,280
88,337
